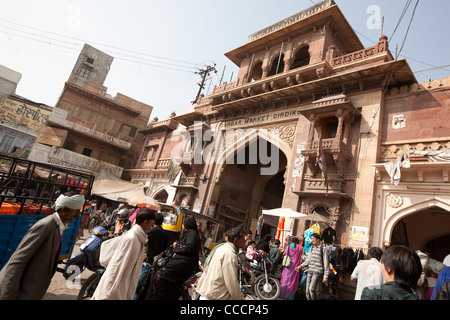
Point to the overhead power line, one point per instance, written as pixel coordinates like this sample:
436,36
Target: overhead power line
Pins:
405,9
66,45
93,42
407,30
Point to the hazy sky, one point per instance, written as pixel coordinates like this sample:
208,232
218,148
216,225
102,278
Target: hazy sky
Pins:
158,45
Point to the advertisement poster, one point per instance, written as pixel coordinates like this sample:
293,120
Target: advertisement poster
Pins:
360,237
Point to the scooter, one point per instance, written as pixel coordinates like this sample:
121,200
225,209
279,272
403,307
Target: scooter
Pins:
89,254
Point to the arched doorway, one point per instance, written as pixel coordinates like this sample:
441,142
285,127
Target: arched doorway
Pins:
272,198
161,195
245,188
426,228
256,73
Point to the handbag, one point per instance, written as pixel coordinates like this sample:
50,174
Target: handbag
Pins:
161,259
286,259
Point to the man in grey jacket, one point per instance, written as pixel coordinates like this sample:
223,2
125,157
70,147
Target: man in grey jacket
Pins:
28,273
318,267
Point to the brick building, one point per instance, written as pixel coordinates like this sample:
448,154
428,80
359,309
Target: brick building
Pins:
154,167
89,129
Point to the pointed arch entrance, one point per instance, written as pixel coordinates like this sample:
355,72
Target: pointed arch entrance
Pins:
243,188
161,195
421,225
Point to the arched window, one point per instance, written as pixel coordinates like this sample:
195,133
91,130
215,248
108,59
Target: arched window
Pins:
302,57
277,66
256,72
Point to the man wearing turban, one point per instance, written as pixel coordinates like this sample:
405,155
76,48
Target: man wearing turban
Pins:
28,273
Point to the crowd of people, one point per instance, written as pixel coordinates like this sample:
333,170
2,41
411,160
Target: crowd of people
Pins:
398,273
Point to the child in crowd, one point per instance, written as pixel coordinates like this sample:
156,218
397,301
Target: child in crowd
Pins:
251,252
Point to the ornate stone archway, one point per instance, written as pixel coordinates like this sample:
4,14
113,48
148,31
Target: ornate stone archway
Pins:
400,206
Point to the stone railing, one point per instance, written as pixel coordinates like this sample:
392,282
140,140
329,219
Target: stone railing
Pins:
334,184
380,47
188,181
89,125
391,150
163,163
224,87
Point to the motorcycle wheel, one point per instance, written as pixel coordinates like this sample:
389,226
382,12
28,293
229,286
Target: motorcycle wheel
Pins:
248,294
88,288
269,290
249,297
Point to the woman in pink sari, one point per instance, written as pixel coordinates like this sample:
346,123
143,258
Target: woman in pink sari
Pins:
290,277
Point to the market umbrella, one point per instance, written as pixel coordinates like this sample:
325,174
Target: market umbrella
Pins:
284,212
144,201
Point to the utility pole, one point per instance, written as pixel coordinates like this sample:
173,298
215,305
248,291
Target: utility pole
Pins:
205,72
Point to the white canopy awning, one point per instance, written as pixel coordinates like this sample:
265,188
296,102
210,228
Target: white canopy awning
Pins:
284,212
110,186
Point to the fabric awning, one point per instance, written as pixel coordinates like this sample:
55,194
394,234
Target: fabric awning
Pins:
110,186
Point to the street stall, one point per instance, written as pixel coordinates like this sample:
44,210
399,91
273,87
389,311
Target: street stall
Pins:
285,224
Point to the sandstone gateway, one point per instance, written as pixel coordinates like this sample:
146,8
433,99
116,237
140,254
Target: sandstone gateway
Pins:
310,93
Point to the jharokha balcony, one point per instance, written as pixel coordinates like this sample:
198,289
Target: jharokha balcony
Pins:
299,80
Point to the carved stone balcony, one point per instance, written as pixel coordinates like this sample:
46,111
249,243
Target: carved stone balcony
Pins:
339,151
188,182
312,185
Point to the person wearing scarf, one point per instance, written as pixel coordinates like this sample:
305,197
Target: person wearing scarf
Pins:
290,275
119,282
28,273
167,280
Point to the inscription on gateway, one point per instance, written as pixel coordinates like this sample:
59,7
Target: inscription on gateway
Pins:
264,118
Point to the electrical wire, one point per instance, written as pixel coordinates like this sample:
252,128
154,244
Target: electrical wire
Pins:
405,9
155,64
407,30
97,43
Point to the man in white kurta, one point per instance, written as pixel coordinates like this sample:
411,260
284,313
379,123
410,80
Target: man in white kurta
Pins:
368,273
120,279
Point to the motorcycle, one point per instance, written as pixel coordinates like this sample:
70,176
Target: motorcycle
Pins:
246,277
88,257
89,254
96,218
188,288
267,286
